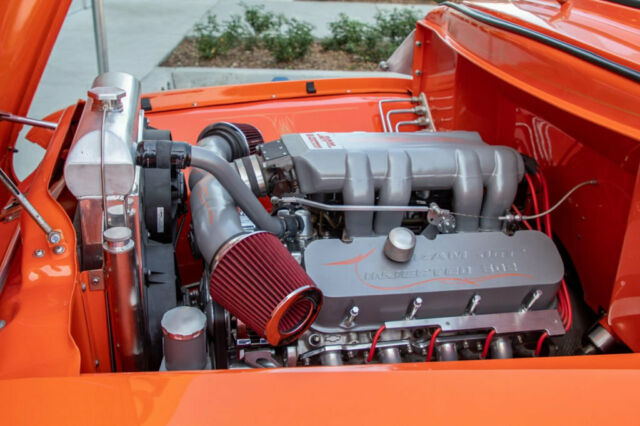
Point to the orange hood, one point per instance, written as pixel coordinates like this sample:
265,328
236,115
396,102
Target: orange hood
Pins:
28,30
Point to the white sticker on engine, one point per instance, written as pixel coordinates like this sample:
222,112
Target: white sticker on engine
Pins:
319,141
246,223
160,219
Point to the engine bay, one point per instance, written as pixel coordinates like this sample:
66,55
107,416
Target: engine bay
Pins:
315,247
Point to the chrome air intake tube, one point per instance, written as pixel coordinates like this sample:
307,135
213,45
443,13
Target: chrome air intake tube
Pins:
164,154
239,191
251,274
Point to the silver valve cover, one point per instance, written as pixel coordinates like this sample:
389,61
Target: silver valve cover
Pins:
446,273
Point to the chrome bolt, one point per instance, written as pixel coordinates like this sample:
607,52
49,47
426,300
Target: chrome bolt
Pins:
418,43
95,280
84,287
54,237
38,253
97,362
530,300
58,249
473,304
351,317
315,340
418,73
413,308
3,323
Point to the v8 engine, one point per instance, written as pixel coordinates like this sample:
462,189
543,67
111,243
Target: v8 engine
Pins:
399,233
317,248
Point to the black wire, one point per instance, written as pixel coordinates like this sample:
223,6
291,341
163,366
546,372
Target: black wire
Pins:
175,243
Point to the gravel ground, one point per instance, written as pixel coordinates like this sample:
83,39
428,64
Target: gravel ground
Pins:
186,55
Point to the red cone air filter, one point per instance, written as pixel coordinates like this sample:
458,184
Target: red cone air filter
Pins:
256,279
252,134
242,136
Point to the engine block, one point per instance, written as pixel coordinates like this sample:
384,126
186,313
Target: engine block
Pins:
447,192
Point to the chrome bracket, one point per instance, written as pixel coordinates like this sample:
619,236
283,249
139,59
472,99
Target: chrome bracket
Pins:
513,322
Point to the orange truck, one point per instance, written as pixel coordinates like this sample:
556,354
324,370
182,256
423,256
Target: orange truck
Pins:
361,251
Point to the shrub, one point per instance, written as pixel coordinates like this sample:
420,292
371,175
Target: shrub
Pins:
376,47
292,40
259,21
235,32
286,39
212,40
346,34
371,42
397,24
289,39
206,37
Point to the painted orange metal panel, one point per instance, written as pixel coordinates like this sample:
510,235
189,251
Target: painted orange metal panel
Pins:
579,123
624,313
584,390
333,113
601,26
89,326
38,299
598,96
225,95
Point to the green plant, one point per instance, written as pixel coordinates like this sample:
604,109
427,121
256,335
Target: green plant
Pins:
397,24
259,21
371,42
286,39
236,33
346,34
291,41
376,47
212,41
206,36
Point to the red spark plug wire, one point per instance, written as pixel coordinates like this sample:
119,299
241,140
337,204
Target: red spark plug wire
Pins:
372,350
564,300
541,340
432,344
487,342
534,199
